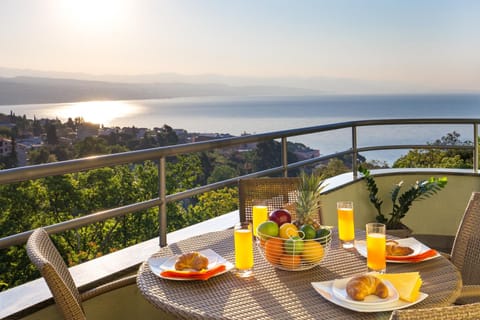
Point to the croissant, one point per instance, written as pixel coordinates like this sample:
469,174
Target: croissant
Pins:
361,286
393,249
191,260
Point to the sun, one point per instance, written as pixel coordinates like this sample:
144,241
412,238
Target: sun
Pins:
94,14
99,112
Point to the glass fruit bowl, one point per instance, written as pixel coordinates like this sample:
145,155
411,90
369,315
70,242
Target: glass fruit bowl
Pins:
294,253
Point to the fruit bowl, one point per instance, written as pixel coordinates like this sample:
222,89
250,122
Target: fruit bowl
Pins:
294,253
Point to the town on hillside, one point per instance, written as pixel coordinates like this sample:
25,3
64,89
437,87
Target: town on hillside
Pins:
23,141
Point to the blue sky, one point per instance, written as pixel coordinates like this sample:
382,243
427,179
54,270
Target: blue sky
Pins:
433,43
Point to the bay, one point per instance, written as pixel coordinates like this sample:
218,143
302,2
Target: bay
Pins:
257,114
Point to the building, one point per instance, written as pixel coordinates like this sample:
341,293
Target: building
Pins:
6,147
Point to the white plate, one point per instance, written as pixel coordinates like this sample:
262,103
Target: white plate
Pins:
339,291
413,243
159,264
325,290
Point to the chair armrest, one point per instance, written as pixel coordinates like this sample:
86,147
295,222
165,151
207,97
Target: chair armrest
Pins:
110,286
469,294
445,255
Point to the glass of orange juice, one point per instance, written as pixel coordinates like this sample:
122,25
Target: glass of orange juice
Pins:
346,228
376,244
243,239
259,215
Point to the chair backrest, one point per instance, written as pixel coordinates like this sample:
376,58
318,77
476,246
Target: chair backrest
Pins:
45,256
463,312
465,253
275,193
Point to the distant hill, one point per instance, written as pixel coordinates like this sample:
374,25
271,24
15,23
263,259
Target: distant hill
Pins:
29,90
24,86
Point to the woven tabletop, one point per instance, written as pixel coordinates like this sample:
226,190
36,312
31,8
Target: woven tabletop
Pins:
278,294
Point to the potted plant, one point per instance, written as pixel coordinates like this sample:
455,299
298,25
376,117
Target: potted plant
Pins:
401,203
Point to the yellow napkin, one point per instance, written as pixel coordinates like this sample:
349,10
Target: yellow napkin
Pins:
407,284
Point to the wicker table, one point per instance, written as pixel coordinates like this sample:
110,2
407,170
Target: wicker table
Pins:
278,294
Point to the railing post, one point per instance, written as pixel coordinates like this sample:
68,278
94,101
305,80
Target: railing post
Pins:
162,209
354,152
284,157
475,147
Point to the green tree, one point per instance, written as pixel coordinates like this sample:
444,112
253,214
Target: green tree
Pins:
166,136
222,172
438,158
334,167
52,138
91,146
213,204
39,156
268,154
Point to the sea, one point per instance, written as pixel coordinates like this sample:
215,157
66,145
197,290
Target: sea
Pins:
258,114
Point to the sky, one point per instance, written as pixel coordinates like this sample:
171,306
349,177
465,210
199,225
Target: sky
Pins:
432,43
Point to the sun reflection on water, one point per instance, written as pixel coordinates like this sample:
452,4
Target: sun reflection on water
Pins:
99,112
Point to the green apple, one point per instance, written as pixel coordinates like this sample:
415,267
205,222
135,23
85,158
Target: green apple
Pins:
294,245
267,229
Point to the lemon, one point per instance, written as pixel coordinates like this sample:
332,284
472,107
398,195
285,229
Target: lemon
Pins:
312,251
288,230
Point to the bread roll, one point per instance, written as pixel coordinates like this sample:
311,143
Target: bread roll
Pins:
361,286
191,260
393,249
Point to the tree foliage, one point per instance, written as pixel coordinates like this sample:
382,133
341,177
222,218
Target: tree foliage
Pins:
439,158
41,202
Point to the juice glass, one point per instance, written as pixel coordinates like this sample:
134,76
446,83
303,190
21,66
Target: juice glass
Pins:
346,228
243,238
376,243
259,215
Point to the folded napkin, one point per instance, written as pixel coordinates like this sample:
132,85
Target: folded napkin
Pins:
194,275
407,284
415,258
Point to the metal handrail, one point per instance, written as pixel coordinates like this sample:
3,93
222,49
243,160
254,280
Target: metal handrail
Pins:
161,153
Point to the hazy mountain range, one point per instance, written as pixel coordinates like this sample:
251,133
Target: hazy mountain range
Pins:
30,86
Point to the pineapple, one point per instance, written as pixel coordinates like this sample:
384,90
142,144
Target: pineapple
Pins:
308,202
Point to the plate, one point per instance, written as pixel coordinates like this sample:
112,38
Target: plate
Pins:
411,242
325,289
339,291
159,264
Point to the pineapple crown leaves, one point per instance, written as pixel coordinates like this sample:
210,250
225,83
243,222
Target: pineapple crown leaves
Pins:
421,190
309,193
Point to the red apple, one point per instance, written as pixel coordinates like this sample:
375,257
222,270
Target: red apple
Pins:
280,216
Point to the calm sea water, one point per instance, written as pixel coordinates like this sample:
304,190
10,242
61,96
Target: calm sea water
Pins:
236,115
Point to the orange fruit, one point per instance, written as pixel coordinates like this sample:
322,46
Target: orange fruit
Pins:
273,250
290,262
312,251
288,230
262,241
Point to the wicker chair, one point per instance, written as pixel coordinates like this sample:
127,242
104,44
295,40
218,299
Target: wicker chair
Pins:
45,256
275,193
465,254
465,312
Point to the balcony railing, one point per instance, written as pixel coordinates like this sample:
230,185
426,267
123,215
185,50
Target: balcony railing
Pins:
160,154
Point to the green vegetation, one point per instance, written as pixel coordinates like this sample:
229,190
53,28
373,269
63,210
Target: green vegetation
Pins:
401,203
31,204
439,158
